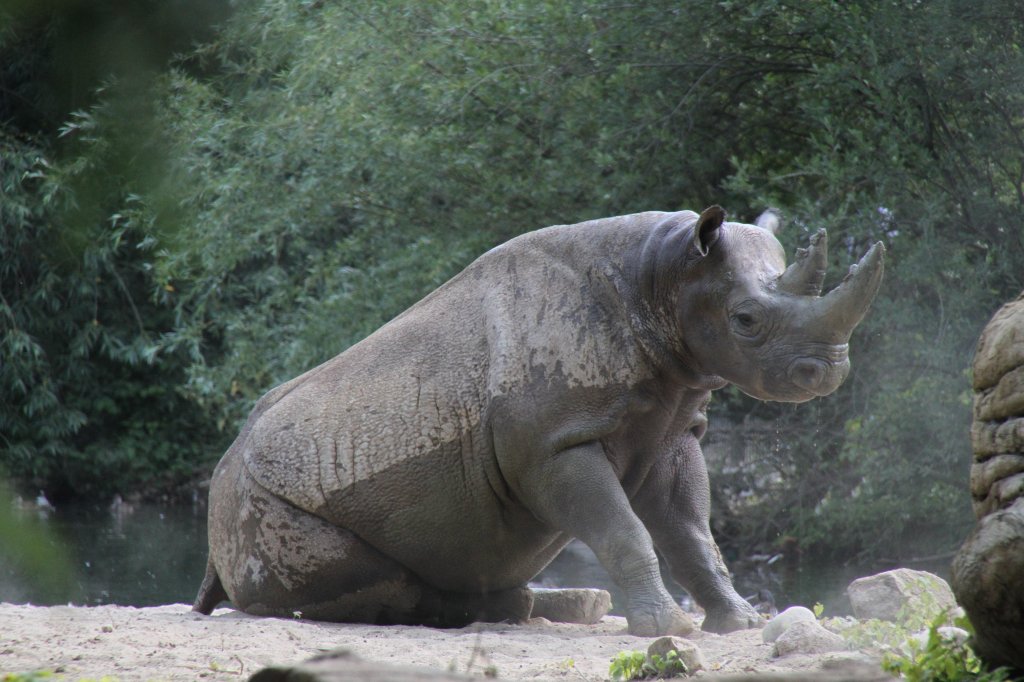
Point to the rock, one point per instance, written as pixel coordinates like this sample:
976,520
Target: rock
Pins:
985,475
989,568
577,605
807,637
1001,346
947,633
885,595
987,574
993,438
1002,493
1005,399
688,652
782,622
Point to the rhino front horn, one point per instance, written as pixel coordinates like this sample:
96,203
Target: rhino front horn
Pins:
806,275
844,307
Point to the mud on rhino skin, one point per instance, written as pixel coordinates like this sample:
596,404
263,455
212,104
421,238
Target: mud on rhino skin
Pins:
555,388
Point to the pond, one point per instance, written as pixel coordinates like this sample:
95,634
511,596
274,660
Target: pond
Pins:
145,555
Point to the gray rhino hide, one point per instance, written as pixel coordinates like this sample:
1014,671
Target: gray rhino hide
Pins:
556,388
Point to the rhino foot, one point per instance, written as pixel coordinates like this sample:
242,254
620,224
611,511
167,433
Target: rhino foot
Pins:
666,620
730,617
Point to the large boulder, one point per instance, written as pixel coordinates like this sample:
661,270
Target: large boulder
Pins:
988,571
893,594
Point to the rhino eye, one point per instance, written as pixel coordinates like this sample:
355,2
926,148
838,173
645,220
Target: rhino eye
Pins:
746,323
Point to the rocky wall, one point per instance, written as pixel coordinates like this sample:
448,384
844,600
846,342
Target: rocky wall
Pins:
988,571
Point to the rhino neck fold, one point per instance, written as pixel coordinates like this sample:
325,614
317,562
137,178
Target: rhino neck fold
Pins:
667,357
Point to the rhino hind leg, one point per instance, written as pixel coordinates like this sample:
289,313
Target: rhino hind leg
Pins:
357,583
273,559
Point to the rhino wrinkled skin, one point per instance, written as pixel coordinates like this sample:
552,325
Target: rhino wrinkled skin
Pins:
554,389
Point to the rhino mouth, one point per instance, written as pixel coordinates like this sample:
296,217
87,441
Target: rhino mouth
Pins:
819,375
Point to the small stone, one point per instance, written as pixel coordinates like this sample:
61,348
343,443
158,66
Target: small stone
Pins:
782,622
688,652
947,633
575,605
806,637
885,595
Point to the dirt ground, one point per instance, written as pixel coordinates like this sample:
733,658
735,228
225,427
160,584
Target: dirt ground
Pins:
172,643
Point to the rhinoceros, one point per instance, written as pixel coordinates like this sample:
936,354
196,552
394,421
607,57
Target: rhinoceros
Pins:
554,389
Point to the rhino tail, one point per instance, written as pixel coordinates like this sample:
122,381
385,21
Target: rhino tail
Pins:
211,592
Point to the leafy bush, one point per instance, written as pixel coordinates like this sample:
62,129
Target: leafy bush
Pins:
636,665
941,659
77,339
291,183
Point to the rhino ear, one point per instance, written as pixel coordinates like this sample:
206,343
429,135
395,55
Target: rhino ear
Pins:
706,231
770,220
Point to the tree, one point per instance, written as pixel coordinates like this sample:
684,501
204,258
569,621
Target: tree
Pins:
87,407
318,166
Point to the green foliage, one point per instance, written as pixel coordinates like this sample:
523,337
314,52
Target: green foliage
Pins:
54,53
941,659
636,665
875,145
76,338
87,405
312,168
628,665
870,634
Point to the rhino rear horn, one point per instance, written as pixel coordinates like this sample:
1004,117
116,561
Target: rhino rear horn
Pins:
706,231
806,275
845,306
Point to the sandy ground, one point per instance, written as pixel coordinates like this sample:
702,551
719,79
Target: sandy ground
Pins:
172,643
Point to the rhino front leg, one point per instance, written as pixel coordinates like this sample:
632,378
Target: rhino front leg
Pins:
675,502
576,492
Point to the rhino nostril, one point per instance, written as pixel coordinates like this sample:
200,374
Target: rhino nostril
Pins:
808,373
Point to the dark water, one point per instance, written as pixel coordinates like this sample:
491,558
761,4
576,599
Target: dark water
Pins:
136,555
144,555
